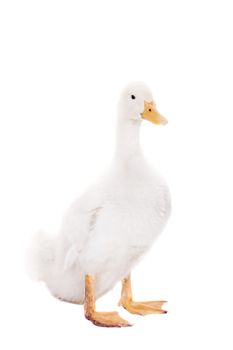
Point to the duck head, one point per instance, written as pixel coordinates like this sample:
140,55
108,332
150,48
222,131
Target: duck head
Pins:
136,103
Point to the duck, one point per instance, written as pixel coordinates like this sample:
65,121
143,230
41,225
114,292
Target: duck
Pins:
111,226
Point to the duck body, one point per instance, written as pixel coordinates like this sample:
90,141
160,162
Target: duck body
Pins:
108,230
110,227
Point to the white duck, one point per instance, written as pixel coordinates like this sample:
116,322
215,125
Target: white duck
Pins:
108,229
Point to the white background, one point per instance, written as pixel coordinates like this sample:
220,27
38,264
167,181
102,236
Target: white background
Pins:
62,66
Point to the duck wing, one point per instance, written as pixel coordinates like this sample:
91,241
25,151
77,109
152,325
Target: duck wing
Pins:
78,224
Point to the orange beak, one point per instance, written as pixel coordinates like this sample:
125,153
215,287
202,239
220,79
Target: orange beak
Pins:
150,113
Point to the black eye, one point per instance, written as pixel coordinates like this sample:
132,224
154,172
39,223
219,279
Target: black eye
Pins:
149,109
133,97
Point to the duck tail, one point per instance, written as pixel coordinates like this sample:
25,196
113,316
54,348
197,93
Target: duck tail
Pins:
40,256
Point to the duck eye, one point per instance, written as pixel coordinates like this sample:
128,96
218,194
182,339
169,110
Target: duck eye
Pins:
149,109
133,97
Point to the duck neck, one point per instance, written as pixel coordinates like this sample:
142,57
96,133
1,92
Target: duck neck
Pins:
127,140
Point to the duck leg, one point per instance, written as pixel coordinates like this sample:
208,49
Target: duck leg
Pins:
102,319
141,307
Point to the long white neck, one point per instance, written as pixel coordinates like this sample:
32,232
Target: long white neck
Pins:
127,141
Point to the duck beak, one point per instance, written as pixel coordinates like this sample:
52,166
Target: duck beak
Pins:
150,113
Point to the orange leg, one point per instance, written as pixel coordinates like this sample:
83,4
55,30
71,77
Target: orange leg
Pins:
141,307
102,319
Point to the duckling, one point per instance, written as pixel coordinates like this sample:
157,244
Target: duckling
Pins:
111,226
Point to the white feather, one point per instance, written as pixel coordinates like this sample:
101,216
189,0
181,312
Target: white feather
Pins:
108,229
40,256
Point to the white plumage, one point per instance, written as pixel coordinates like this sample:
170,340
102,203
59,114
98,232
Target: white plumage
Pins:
108,229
